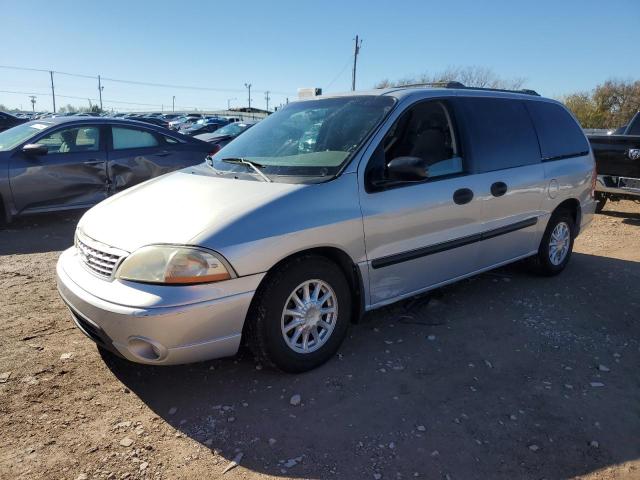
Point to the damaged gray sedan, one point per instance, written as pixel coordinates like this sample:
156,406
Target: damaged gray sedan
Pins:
75,162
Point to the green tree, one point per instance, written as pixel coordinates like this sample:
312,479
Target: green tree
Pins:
609,105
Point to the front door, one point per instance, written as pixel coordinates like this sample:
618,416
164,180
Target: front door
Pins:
419,234
71,175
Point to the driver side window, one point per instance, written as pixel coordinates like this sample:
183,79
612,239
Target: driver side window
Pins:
424,131
72,140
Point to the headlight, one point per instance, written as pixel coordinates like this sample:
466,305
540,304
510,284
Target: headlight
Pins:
172,264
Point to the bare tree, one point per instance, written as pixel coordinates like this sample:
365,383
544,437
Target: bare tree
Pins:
470,76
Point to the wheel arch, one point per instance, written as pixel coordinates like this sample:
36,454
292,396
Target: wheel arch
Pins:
571,205
343,261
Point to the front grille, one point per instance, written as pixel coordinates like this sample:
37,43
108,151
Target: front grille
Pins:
99,259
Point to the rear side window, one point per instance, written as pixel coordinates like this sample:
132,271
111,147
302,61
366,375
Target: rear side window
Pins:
124,138
559,134
500,134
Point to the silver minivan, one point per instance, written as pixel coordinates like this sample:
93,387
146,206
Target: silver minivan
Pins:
329,208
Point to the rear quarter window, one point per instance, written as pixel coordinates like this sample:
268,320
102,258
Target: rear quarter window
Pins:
559,134
499,133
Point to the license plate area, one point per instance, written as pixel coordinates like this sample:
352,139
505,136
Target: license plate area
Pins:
632,184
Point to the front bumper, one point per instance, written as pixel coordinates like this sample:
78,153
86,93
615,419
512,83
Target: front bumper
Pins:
156,324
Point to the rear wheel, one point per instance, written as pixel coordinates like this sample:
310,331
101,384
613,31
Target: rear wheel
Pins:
301,315
556,245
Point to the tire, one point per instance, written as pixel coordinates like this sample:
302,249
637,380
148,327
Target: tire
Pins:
268,320
545,262
601,201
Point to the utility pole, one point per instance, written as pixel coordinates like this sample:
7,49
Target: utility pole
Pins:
356,51
173,104
248,87
267,98
53,92
100,87
229,102
33,102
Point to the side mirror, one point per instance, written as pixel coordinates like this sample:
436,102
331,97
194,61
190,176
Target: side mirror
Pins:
408,169
35,149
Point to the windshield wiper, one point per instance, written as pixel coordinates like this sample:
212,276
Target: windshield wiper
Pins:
253,165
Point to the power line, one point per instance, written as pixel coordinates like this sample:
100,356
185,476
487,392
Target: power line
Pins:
136,82
92,99
118,102
339,74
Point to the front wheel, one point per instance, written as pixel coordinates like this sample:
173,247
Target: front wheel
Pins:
301,315
556,245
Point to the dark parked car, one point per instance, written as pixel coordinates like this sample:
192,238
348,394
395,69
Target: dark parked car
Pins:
7,121
224,135
154,121
618,163
206,125
74,162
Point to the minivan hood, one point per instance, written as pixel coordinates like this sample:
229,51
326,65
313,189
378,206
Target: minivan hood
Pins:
176,207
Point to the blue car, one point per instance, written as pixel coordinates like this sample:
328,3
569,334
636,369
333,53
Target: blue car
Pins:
206,125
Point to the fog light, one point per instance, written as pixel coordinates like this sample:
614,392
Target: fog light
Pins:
147,349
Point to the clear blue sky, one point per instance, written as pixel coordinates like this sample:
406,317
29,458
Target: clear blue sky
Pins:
558,46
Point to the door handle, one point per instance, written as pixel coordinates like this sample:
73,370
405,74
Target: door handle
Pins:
462,196
498,189
163,153
93,162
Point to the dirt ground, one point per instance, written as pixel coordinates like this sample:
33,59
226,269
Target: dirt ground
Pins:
505,375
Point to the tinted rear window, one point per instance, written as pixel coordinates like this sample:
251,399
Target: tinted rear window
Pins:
500,133
559,134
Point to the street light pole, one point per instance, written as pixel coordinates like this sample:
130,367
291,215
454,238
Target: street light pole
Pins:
248,87
173,104
33,102
229,102
267,98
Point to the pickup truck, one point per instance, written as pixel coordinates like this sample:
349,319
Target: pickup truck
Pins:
618,163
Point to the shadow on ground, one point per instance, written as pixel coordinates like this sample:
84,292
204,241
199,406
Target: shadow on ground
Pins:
39,233
495,378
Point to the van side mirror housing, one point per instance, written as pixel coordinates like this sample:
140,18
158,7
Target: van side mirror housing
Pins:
34,149
408,169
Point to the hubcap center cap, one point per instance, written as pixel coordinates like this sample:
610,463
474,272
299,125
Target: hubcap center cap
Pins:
312,315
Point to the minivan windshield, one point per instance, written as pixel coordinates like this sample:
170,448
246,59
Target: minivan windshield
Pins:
11,138
307,138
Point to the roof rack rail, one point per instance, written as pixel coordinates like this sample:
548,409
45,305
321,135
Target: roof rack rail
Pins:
445,84
452,84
